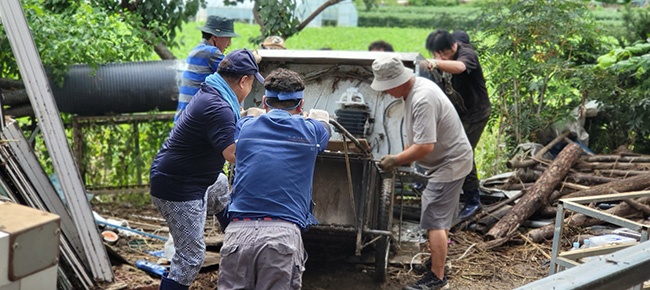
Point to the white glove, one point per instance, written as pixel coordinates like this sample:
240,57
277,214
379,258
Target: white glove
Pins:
254,112
320,115
257,56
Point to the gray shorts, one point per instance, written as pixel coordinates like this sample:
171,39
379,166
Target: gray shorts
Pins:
440,204
262,255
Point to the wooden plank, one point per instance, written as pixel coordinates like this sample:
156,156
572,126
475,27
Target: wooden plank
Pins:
42,101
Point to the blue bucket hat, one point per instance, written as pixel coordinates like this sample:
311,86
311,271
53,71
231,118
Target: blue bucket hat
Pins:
240,62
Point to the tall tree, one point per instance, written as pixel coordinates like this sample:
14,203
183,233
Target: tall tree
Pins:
280,17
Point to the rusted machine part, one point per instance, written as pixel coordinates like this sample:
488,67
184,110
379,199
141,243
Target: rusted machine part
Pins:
347,134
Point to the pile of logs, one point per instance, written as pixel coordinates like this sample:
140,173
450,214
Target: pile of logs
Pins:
573,173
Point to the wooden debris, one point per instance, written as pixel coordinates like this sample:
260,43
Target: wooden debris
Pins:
540,192
638,182
581,220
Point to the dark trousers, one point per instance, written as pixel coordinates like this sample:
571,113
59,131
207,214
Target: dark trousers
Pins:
473,130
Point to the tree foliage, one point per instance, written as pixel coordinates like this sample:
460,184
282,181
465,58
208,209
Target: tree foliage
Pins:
534,61
80,34
623,90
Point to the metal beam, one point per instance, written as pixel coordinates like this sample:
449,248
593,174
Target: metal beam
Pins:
621,270
40,95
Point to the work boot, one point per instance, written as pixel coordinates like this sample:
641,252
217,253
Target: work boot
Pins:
472,204
169,284
428,281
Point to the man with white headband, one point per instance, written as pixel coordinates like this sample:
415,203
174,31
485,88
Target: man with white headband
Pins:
271,200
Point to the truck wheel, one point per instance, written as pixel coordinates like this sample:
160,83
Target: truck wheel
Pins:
384,219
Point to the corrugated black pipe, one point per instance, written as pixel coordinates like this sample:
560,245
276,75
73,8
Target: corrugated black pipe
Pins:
119,88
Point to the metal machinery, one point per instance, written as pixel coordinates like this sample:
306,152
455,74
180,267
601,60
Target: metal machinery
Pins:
353,197
29,248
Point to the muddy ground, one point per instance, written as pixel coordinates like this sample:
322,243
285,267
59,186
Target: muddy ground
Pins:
507,267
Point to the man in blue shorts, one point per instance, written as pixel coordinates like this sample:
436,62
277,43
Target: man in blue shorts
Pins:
193,156
271,201
432,127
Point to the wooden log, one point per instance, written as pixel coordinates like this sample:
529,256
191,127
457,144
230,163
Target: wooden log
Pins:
518,163
618,172
516,186
638,182
616,158
580,220
643,208
529,203
584,178
591,166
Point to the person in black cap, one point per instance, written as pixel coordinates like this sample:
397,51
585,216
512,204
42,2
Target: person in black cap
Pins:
456,57
204,59
271,198
192,158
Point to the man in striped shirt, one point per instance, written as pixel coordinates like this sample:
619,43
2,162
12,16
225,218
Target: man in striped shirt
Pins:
204,59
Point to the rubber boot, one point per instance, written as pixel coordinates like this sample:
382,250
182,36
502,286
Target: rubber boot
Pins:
169,284
472,204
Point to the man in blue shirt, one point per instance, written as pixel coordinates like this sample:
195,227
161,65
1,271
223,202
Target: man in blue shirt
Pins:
204,59
193,156
272,192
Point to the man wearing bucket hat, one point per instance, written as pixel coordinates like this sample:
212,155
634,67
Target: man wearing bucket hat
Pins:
271,201
204,59
432,128
193,156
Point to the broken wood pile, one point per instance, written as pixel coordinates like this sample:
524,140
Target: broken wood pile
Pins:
573,173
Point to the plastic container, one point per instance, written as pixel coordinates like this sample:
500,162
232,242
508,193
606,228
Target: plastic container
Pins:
150,267
586,244
610,239
110,237
576,245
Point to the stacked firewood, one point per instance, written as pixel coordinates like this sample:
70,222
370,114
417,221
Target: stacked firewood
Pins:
573,173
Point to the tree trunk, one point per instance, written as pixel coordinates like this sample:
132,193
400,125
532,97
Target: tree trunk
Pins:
163,52
538,194
315,13
581,220
638,182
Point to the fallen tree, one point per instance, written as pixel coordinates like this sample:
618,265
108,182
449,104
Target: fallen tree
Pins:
538,193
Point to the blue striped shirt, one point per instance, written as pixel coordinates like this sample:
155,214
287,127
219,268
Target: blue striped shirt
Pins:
202,61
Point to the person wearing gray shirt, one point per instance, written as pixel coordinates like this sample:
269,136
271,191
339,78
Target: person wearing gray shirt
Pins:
437,143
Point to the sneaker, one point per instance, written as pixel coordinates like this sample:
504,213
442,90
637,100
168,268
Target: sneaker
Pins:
426,267
428,281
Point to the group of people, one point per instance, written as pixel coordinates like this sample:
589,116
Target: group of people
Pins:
274,151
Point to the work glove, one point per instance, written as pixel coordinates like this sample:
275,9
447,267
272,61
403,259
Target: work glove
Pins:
388,162
432,64
253,112
257,56
320,115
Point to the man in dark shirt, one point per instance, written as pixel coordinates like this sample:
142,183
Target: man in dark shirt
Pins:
192,158
460,60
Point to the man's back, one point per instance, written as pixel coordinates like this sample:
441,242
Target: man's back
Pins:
276,153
